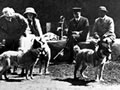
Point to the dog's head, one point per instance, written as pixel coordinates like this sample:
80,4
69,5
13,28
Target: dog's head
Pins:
104,47
76,49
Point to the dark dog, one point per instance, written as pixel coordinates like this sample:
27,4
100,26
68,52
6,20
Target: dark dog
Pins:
18,58
96,58
44,56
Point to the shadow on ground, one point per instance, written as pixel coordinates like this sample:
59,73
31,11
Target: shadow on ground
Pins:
80,82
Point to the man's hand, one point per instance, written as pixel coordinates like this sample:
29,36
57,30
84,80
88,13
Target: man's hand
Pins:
76,32
96,36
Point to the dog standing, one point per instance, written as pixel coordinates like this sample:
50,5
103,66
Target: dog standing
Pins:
44,56
17,58
96,58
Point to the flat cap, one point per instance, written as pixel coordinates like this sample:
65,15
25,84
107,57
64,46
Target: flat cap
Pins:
103,8
76,9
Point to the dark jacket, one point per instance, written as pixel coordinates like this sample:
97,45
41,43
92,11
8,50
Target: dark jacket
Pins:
35,28
15,28
82,26
12,30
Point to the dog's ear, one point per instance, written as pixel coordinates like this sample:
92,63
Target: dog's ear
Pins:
37,44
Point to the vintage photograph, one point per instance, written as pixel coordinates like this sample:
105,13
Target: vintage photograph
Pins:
59,45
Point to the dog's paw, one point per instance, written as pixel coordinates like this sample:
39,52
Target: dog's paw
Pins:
99,80
28,78
31,77
41,73
47,73
84,76
75,78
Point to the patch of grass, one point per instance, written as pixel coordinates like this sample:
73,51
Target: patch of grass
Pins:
111,72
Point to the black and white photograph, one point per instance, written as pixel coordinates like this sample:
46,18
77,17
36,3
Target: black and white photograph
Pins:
59,44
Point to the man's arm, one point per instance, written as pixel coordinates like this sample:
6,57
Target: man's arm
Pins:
69,29
84,34
94,30
110,33
38,25
24,24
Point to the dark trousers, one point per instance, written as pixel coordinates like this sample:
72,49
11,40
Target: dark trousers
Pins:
11,44
70,44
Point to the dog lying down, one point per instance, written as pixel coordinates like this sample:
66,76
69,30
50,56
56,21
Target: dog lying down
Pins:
18,58
86,57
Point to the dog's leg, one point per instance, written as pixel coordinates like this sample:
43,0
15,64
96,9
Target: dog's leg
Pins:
15,70
5,75
40,66
22,72
84,66
101,72
31,71
6,67
96,74
1,76
27,74
77,65
4,72
46,66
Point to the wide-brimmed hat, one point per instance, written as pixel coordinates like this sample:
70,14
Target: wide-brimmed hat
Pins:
30,10
103,8
76,9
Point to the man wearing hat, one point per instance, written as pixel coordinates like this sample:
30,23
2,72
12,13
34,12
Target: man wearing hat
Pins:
78,29
34,23
12,26
104,26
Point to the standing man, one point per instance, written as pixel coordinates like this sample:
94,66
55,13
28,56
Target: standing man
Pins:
104,27
13,25
78,29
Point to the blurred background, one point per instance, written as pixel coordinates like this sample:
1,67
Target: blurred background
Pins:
51,10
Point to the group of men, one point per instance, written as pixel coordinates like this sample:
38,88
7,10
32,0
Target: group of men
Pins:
13,25
78,28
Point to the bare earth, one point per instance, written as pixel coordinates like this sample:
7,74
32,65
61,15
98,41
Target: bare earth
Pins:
61,78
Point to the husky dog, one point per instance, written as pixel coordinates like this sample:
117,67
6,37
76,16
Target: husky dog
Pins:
96,58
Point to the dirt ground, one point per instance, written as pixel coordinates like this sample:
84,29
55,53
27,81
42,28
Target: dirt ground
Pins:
61,78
